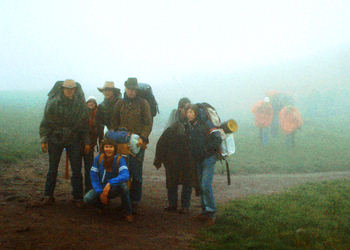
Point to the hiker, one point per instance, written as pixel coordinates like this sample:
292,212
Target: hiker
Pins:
89,158
109,178
275,101
133,113
173,152
65,125
179,113
290,121
105,109
204,144
263,113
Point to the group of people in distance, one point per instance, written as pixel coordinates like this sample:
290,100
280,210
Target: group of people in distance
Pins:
187,148
276,111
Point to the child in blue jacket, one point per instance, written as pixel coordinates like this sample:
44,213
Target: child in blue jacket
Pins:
109,178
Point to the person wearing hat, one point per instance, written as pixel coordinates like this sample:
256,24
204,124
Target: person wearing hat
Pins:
109,176
133,113
89,158
105,109
65,125
263,114
178,115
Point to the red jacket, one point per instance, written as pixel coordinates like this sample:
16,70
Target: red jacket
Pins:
290,119
263,113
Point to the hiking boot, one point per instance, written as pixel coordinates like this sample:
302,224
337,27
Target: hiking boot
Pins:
48,201
129,218
184,211
79,203
170,209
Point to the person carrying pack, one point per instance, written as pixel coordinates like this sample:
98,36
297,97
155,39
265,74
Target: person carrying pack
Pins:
133,114
203,143
65,125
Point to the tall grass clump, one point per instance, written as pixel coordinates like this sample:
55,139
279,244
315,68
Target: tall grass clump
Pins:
312,216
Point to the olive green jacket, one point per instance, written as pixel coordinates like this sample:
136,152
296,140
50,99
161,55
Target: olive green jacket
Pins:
133,115
65,120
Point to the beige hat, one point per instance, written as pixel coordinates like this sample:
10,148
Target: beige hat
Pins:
70,84
108,85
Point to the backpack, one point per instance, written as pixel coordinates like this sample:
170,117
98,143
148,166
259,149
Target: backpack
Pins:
145,91
208,113
56,89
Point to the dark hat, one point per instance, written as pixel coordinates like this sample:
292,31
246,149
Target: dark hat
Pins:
108,85
131,83
183,101
108,141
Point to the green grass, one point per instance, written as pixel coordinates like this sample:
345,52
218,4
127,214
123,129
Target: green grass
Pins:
19,132
312,216
319,148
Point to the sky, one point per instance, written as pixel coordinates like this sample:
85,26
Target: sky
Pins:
161,42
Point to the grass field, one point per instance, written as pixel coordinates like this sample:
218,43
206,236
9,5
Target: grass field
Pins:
311,216
320,146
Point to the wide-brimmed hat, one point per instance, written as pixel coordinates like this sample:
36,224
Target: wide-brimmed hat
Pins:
108,85
131,83
69,84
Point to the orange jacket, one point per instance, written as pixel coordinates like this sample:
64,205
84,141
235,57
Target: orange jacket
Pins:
263,113
290,119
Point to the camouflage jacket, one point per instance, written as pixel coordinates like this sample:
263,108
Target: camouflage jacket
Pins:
134,115
64,121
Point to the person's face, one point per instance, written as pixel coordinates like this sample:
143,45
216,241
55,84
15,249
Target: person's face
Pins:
183,110
109,150
131,93
108,93
91,105
191,115
69,93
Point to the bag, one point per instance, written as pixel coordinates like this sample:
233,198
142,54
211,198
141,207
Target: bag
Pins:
208,112
126,141
145,91
56,89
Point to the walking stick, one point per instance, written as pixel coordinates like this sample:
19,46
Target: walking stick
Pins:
66,174
228,173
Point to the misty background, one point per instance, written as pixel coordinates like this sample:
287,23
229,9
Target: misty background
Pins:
227,53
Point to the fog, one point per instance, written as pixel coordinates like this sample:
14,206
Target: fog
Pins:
228,53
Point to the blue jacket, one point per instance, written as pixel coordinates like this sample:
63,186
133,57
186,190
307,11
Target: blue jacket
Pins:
100,177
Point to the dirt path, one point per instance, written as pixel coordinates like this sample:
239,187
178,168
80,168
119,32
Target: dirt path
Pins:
24,225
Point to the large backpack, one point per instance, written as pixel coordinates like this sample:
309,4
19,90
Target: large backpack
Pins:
208,113
56,89
145,91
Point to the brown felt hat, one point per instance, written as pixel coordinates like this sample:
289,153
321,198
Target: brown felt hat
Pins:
108,85
131,83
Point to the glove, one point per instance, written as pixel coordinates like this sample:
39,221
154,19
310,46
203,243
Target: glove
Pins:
86,149
104,195
44,147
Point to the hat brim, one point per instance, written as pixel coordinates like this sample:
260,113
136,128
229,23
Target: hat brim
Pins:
102,89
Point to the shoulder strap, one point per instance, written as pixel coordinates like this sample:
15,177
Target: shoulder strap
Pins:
100,158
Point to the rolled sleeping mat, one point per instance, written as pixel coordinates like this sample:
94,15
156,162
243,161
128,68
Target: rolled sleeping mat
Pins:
125,137
229,126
